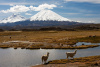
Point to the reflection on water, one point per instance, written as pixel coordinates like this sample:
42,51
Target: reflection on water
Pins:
24,58
86,43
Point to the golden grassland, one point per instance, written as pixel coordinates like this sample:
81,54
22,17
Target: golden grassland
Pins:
64,37
45,35
91,60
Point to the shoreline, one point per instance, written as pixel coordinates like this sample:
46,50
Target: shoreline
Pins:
89,61
78,47
61,65
36,45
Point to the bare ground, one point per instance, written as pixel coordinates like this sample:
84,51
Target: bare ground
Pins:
76,64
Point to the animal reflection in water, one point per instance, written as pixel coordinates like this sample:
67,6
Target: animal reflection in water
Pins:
45,57
71,54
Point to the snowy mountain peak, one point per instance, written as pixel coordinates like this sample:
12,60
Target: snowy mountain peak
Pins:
48,15
13,18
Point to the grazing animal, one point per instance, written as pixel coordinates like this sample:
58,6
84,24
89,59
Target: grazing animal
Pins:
24,36
10,37
90,36
45,57
71,54
94,35
61,44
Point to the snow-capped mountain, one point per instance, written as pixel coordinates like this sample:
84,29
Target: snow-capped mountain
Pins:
44,18
44,15
47,15
13,18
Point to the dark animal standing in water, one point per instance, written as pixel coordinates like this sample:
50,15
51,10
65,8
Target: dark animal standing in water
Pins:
82,44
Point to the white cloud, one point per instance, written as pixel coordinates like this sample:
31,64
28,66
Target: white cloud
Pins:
61,6
16,9
12,3
91,14
87,20
91,21
22,8
71,13
91,1
28,14
42,7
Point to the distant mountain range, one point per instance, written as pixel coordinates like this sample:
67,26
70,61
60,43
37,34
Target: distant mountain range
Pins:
43,18
13,18
44,15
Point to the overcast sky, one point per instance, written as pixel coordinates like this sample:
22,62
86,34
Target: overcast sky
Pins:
79,10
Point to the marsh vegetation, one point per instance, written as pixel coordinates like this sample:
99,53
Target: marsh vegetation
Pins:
53,39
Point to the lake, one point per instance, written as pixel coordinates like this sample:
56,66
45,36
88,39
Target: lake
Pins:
24,57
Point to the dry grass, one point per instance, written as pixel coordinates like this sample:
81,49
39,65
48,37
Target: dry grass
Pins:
91,60
64,37
95,39
35,46
45,35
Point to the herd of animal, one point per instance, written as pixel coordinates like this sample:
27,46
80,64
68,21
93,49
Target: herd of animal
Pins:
69,54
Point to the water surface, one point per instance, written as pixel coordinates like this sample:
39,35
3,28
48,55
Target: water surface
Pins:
86,43
24,57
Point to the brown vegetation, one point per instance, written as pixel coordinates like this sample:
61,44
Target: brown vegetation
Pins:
91,60
67,38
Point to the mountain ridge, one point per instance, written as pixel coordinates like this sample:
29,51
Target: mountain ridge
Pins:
46,18
13,18
44,15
